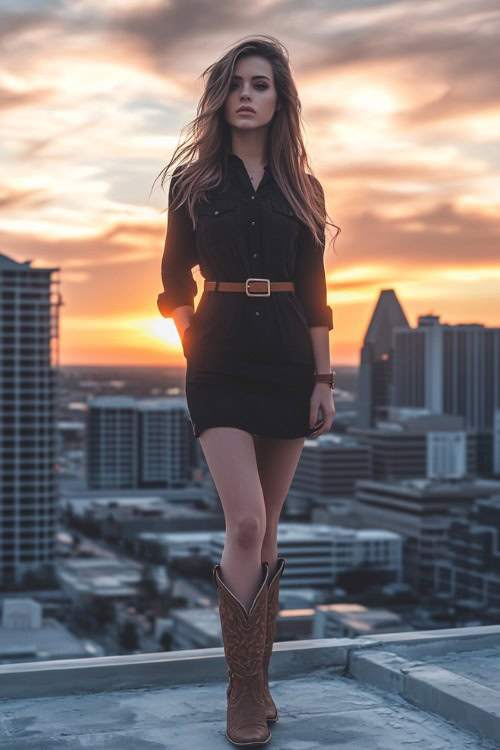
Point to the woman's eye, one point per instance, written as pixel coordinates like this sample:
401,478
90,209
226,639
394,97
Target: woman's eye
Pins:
261,86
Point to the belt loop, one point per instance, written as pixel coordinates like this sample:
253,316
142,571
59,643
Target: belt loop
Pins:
216,285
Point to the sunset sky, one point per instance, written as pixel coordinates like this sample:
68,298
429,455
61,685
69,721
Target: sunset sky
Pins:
401,106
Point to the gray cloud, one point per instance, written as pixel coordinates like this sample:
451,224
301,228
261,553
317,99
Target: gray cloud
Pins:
368,236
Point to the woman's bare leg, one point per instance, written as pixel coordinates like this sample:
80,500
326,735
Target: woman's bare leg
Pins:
230,455
277,460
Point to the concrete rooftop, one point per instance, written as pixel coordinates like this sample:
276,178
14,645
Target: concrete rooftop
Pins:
438,690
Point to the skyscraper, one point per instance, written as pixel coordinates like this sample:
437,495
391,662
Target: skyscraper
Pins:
375,375
29,361
451,369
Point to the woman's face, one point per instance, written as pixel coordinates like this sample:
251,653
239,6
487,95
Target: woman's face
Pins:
253,86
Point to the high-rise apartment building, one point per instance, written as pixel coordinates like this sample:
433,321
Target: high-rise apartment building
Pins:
29,361
138,443
451,369
442,368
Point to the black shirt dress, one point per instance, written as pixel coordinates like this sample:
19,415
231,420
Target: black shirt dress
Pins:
250,361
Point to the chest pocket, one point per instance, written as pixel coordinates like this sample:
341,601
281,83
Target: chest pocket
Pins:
217,220
283,221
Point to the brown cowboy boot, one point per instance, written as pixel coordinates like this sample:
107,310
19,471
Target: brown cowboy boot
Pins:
244,636
272,712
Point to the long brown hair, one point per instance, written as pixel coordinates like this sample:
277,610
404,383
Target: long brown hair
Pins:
203,156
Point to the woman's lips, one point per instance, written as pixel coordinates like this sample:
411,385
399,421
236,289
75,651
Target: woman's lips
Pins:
245,112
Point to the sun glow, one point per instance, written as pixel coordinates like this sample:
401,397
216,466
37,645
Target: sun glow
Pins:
162,329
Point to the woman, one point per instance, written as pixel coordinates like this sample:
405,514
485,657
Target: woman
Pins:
257,347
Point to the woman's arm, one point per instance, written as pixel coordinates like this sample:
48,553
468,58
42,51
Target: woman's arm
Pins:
179,256
310,279
311,288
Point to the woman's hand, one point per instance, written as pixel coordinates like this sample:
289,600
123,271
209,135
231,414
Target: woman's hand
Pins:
321,398
184,331
182,316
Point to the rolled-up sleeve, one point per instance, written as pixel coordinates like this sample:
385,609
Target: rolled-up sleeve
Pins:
179,257
310,279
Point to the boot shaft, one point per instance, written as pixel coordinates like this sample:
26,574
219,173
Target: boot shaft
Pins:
244,635
273,605
243,631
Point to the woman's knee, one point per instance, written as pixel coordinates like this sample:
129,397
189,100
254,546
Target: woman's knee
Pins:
247,531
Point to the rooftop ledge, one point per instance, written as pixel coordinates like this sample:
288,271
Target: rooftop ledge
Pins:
437,688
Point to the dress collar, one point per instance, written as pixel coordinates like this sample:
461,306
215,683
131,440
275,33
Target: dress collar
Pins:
236,158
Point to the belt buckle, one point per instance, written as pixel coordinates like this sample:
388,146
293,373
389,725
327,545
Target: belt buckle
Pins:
258,294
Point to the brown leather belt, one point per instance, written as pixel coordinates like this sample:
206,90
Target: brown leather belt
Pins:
253,287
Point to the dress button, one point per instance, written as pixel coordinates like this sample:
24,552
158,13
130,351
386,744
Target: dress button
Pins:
257,313
253,222
216,212
252,197
255,255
